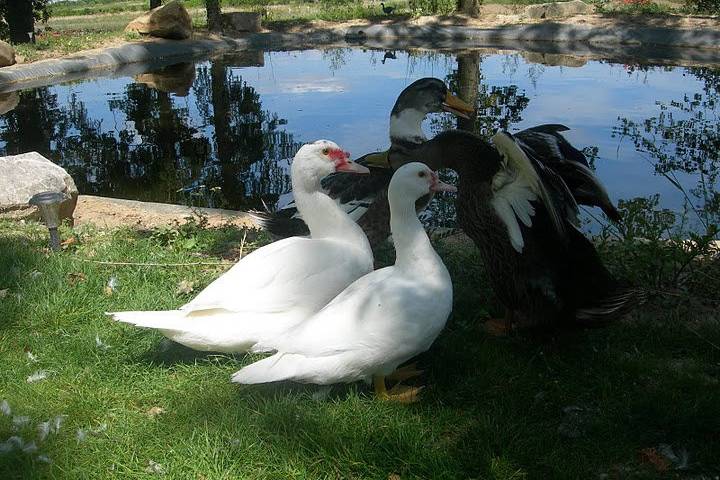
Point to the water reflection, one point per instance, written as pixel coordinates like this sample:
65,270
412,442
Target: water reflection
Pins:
220,132
683,137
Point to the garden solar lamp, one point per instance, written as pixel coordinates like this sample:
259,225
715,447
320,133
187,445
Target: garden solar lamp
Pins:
49,205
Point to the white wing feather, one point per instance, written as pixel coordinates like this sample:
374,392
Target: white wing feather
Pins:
515,186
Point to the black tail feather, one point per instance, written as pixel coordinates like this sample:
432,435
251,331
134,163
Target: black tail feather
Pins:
615,305
279,224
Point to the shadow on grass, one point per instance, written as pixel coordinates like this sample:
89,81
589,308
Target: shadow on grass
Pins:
19,257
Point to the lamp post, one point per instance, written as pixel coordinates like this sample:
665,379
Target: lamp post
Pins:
49,205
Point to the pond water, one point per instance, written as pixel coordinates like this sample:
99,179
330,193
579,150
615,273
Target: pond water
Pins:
220,132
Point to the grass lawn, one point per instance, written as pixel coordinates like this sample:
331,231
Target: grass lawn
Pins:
583,404
84,24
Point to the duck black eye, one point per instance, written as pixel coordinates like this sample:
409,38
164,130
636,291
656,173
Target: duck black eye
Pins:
325,151
421,174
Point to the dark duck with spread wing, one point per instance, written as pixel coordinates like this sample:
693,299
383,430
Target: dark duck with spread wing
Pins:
523,217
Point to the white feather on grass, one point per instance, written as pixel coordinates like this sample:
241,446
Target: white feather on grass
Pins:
100,344
43,430
37,376
57,423
5,408
20,421
30,448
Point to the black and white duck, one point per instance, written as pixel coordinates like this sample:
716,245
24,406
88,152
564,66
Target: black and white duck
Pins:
365,200
523,217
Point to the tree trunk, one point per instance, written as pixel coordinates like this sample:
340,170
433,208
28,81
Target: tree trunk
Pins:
20,21
214,20
468,78
470,7
155,3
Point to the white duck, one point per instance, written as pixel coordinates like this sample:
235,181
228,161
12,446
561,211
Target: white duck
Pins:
281,284
381,320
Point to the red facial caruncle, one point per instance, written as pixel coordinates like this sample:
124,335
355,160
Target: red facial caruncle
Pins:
339,156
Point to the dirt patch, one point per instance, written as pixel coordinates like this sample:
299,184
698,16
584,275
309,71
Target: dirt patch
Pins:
115,212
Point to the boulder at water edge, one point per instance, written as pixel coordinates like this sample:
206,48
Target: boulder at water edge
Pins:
241,21
7,54
24,175
166,21
558,9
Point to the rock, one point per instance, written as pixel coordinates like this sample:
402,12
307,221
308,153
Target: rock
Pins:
241,21
7,54
558,9
8,101
24,175
166,21
554,59
245,58
175,79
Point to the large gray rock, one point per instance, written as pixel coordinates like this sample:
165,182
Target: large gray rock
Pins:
24,175
166,21
7,54
241,21
558,9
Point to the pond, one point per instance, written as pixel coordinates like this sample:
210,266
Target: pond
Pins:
220,132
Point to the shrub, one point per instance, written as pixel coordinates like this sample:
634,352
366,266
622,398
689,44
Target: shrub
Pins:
711,7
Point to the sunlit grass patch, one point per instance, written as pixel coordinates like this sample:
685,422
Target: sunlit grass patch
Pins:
133,405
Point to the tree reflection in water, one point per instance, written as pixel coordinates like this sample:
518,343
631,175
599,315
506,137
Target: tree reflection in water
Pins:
684,138
230,155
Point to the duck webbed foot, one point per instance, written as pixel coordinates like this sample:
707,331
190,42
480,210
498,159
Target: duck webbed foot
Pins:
500,327
398,393
403,373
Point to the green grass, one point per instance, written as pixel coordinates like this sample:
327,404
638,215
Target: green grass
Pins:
572,405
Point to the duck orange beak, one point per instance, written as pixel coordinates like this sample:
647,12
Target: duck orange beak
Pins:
456,106
438,185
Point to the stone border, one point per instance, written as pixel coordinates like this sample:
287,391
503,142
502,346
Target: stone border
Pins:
618,43
128,59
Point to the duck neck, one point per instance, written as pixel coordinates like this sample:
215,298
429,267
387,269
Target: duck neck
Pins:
412,245
323,216
406,125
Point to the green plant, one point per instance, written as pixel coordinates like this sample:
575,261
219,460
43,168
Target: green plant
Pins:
656,248
182,236
711,7
432,7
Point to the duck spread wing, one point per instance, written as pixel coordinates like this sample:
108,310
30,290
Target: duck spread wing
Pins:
520,182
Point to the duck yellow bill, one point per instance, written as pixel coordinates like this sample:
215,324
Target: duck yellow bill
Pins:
379,160
456,106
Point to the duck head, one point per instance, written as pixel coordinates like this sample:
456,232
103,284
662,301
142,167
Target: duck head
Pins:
427,95
316,160
414,180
